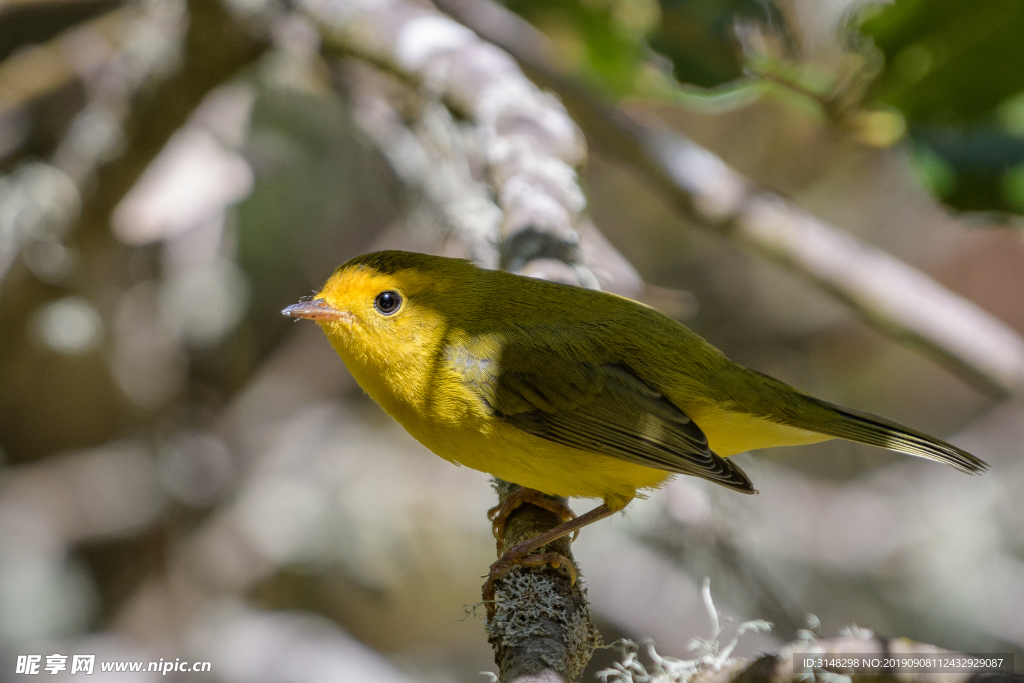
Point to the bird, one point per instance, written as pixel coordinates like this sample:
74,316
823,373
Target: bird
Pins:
566,391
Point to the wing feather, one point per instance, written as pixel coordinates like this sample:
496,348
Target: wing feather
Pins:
601,408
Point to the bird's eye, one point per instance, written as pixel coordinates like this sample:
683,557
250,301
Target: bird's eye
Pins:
387,302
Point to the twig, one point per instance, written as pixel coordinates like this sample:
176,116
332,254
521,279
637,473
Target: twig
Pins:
894,297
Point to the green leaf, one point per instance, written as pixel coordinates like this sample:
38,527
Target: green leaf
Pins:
949,61
955,69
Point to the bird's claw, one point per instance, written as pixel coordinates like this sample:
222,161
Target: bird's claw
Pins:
499,513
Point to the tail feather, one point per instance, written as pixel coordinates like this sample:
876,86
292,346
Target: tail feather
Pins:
863,427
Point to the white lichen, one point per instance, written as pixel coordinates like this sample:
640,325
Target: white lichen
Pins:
670,670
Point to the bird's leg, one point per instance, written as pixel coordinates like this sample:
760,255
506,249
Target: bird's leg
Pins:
500,512
521,552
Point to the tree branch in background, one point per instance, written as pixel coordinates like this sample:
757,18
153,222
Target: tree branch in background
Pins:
529,147
441,157
120,57
429,153
894,297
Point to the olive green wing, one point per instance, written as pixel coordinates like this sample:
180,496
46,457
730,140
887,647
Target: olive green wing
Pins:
602,408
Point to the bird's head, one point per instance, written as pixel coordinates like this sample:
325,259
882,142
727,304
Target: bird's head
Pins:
386,303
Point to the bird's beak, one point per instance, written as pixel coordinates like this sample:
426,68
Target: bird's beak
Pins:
316,309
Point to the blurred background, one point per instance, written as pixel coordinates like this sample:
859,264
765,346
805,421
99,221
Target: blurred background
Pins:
186,474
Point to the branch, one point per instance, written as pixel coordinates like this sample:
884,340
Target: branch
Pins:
542,630
429,154
528,144
146,75
897,299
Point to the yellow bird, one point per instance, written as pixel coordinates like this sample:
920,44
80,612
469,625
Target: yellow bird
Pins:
568,391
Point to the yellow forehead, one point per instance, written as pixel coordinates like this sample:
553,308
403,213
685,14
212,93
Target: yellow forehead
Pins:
357,283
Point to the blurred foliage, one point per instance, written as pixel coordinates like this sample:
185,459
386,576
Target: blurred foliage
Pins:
602,40
698,37
954,72
949,62
610,41
955,69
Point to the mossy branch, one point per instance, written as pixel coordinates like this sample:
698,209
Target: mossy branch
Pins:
541,631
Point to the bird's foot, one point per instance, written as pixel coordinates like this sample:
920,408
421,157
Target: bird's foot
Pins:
510,559
522,553
499,513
